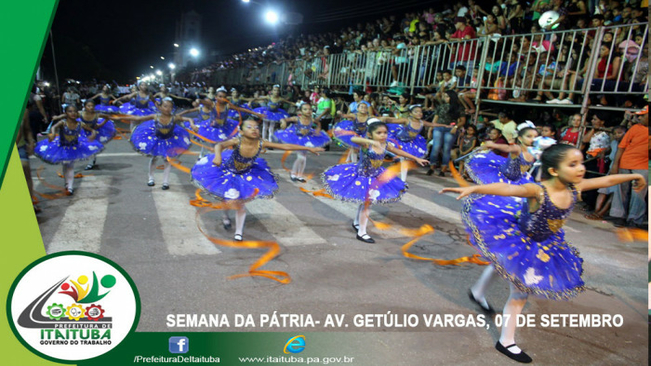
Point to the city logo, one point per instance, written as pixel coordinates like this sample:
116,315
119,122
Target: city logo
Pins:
295,344
72,306
179,345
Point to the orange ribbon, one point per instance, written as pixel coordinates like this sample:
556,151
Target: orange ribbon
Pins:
78,175
321,192
273,247
61,193
178,165
628,235
457,177
199,136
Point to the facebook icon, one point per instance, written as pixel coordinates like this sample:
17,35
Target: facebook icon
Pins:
179,344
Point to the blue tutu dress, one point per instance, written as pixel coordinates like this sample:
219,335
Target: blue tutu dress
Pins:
353,182
345,130
216,126
69,146
409,139
236,178
139,107
233,114
300,134
152,138
105,133
105,107
272,112
528,249
485,167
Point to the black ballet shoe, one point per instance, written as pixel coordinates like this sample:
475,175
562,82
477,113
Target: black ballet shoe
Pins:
165,186
365,238
89,166
355,227
301,179
430,171
227,224
520,357
488,310
151,183
70,192
293,178
237,237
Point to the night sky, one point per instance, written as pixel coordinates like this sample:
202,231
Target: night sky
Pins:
119,39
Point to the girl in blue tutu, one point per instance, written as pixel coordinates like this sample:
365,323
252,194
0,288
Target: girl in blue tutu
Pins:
100,123
105,98
235,175
142,103
272,112
238,100
354,125
518,228
486,167
302,133
163,93
213,121
161,136
359,182
67,144
406,133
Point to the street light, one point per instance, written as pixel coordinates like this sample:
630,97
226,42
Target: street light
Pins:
246,1
194,52
159,73
271,17
176,45
162,58
171,66
151,67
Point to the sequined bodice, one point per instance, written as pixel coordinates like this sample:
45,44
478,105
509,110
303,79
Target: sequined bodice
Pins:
547,220
370,162
68,137
141,102
407,133
515,167
104,101
218,118
303,130
204,116
92,123
359,127
164,131
273,105
238,163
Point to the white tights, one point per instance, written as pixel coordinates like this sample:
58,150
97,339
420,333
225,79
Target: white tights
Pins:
240,217
166,171
361,219
299,165
69,174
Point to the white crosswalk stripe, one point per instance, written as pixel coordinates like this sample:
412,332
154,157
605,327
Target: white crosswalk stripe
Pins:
83,222
177,221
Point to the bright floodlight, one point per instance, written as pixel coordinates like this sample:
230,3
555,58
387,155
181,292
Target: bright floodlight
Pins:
246,1
194,52
271,17
162,58
158,72
171,66
176,44
151,67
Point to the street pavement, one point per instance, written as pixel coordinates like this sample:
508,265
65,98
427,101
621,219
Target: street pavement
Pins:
153,235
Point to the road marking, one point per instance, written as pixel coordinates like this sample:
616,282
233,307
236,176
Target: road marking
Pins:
177,220
83,222
283,224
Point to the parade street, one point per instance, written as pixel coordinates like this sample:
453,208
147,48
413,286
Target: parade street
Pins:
153,234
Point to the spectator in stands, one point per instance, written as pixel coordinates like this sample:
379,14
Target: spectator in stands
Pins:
632,156
604,199
570,134
506,125
448,118
464,53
